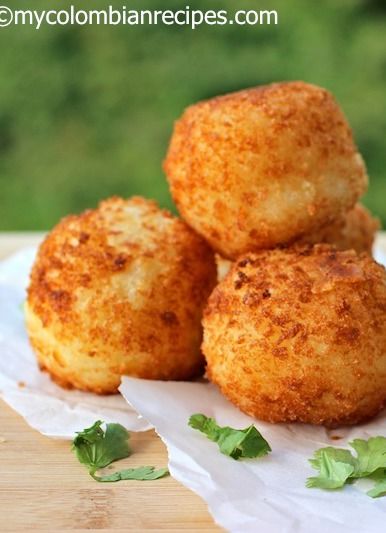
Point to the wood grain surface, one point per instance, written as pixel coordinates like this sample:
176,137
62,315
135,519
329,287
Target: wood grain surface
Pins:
43,487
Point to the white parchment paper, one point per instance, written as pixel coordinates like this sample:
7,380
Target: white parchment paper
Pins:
53,411
266,495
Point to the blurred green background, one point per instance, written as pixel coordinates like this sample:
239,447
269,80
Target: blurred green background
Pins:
86,112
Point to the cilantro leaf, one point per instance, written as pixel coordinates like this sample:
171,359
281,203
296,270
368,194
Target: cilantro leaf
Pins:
337,454
371,455
235,443
335,467
96,448
143,473
379,488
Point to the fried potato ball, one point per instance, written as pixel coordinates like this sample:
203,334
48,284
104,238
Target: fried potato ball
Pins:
354,231
299,334
119,290
264,166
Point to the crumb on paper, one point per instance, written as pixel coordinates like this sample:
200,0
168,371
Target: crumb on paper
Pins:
21,384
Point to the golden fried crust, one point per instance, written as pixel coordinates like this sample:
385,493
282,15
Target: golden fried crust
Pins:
356,231
119,290
264,166
300,335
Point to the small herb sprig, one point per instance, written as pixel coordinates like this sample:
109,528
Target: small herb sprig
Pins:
96,448
338,466
236,443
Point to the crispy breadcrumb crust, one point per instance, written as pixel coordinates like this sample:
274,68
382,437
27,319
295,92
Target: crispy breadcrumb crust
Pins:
299,334
119,290
355,231
264,166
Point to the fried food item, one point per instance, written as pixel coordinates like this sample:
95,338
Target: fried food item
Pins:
262,167
299,334
119,290
355,231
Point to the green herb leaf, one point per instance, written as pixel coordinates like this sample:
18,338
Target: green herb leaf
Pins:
337,454
371,455
235,443
379,488
97,449
337,466
143,473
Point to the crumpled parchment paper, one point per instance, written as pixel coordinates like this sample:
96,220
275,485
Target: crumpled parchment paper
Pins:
265,495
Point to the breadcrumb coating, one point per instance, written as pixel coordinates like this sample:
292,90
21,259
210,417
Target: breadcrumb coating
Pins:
263,167
119,290
356,231
299,334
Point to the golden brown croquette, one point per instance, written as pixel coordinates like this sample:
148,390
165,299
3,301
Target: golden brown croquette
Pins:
119,290
264,166
299,334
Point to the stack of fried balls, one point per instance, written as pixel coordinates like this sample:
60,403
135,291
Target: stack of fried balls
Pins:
267,182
